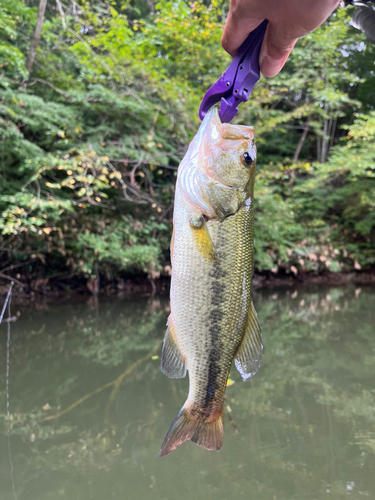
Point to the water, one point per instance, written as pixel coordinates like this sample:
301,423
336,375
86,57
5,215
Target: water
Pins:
87,421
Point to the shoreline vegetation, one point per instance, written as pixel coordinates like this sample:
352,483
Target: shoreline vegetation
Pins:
98,103
144,286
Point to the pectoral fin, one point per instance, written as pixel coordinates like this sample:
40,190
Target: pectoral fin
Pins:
249,355
202,238
172,362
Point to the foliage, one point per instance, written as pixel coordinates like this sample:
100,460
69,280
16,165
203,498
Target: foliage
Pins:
346,183
91,139
107,245
322,214
16,21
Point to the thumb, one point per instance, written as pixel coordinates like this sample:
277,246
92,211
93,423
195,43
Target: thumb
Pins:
236,30
276,48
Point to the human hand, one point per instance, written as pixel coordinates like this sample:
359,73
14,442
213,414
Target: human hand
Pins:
288,20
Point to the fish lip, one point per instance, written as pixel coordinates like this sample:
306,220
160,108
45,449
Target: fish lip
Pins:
213,114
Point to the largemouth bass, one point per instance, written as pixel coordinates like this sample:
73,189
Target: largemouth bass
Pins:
212,320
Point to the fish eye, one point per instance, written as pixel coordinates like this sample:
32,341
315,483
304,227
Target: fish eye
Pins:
246,159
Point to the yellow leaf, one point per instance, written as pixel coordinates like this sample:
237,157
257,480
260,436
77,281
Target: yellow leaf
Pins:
53,185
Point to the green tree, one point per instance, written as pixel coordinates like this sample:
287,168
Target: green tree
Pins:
91,137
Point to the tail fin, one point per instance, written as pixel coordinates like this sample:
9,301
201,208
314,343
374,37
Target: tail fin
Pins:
209,435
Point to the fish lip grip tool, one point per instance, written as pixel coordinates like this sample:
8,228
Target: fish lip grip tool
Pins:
236,83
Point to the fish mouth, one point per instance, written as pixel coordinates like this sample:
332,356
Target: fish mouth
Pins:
229,130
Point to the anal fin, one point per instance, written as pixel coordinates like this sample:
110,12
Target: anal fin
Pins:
172,362
249,355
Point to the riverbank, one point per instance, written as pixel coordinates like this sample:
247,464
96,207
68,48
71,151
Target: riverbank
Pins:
144,286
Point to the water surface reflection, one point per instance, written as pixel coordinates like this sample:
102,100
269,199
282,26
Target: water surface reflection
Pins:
89,406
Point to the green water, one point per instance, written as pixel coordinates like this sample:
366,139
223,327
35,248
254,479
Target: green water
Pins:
302,428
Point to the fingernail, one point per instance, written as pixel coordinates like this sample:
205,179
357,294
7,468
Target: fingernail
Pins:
270,66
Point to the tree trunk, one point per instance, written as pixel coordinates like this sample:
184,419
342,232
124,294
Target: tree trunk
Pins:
329,130
325,141
37,35
151,4
333,132
318,147
302,140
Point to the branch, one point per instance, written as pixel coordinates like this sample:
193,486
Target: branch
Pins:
302,139
140,197
5,249
4,276
230,415
59,6
37,35
115,384
63,20
44,82
11,319
14,266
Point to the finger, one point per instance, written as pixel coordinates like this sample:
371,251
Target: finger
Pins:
275,50
236,30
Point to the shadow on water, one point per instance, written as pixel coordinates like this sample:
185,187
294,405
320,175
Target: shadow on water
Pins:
89,406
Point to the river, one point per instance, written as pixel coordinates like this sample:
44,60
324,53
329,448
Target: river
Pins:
89,406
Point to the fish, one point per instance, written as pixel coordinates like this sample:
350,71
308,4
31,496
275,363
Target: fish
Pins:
212,320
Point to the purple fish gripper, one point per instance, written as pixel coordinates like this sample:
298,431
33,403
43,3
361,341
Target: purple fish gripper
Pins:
236,83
